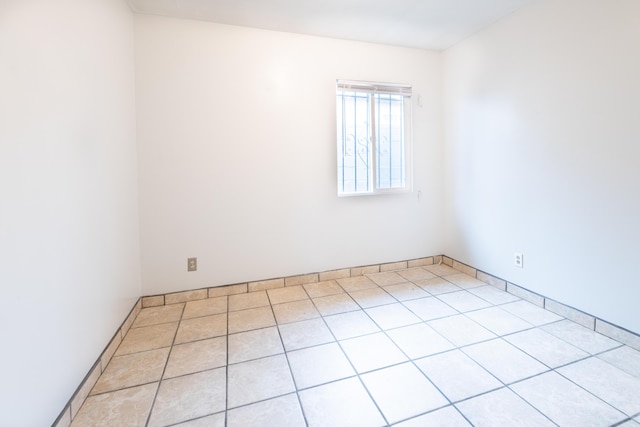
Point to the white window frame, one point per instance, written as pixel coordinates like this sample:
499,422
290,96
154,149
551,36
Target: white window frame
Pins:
403,92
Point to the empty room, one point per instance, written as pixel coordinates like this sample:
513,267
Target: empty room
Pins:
319,213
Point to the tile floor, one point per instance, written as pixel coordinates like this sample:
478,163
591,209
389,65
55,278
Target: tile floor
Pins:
424,346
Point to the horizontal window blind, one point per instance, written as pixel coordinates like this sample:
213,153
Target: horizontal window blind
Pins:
390,89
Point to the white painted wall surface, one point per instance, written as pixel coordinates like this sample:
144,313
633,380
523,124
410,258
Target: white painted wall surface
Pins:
237,155
69,245
543,153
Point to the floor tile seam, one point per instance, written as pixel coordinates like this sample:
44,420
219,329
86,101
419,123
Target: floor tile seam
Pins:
481,365
555,371
362,307
457,313
179,423
310,346
531,404
290,301
293,378
588,356
164,369
587,390
164,378
357,374
493,303
620,423
248,308
563,319
531,327
467,317
409,360
154,324
451,405
504,387
396,300
128,387
566,378
448,405
205,315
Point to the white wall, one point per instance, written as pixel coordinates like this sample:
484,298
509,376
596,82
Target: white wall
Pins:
69,247
543,153
237,156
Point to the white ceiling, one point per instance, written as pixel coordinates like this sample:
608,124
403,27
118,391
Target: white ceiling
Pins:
426,24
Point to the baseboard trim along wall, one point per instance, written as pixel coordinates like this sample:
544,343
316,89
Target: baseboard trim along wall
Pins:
592,322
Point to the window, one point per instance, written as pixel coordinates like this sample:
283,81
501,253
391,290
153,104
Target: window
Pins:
374,137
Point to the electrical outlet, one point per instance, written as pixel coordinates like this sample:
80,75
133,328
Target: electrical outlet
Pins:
518,260
192,264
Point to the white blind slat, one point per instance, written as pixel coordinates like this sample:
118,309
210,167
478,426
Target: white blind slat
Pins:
386,88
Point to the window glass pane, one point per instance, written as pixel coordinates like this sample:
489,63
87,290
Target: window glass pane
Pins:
390,141
354,142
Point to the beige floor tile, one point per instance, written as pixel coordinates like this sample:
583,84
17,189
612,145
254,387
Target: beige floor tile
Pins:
565,403
258,380
445,417
372,297
147,338
303,334
429,308
128,407
343,403
249,300
386,278
616,387
531,313
419,340
197,356
205,307
295,311
437,286
625,358
461,330
493,295
322,289
463,301
548,349
502,408
498,321
216,420
581,337
157,315
402,392
356,283
335,304
318,365
254,344
457,376
406,291
288,294
441,269
202,328
254,318
464,281
283,411
350,325
392,316
191,396
415,274
132,369
504,361
372,352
